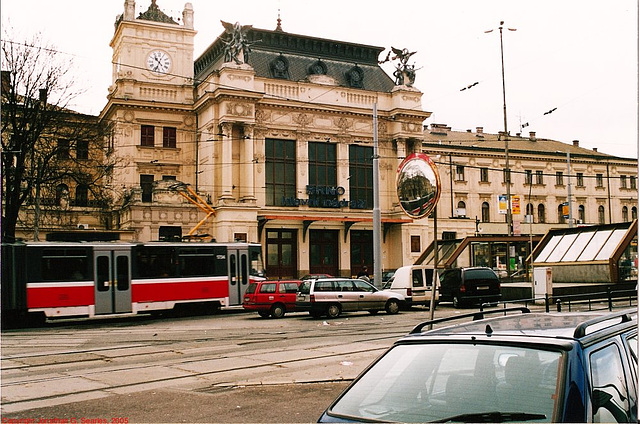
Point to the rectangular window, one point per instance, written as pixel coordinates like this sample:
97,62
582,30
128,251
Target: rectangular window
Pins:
632,182
323,169
599,181
539,178
484,175
559,179
65,265
169,137
147,135
459,173
623,181
146,184
82,150
63,149
280,171
361,176
415,244
506,176
528,177
580,179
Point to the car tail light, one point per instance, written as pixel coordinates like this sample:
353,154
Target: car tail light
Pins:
463,288
312,298
408,292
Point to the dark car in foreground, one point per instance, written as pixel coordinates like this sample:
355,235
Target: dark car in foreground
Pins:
271,298
527,367
469,286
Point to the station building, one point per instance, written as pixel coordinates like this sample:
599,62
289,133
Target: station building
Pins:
276,136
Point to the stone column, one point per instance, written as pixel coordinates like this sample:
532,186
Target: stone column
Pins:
226,162
247,164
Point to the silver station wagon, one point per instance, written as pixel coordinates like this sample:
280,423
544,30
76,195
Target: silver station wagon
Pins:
332,296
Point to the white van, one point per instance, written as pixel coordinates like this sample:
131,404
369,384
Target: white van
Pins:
414,283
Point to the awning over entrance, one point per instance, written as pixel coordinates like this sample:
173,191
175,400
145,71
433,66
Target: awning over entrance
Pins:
387,223
594,254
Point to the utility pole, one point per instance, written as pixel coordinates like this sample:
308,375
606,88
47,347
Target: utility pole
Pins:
377,219
506,148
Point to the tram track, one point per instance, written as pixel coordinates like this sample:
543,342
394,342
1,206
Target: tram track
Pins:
59,365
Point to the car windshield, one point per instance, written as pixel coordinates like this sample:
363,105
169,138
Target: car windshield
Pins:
430,382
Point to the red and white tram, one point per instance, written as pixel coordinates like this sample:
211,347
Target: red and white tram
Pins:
64,279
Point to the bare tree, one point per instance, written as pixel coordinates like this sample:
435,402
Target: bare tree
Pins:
45,145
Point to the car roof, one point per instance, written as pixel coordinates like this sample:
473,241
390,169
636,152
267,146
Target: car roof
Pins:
554,328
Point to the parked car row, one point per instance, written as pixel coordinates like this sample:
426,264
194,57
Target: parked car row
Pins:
410,285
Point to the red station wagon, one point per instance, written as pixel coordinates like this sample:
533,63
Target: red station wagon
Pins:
271,298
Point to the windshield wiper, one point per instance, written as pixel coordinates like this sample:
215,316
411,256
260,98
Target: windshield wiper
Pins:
492,417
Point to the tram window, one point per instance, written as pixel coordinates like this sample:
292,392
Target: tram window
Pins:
154,262
64,265
196,262
257,268
123,272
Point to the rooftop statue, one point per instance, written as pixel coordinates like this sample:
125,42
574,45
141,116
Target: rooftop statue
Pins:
237,46
405,74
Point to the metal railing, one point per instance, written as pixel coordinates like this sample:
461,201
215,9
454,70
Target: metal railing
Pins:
597,301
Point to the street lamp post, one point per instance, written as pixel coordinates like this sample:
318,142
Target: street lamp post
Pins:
506,147
506,131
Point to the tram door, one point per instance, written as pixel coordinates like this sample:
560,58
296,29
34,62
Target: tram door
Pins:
112,273
238,266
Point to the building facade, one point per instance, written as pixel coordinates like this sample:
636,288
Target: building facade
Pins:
273,130
275,133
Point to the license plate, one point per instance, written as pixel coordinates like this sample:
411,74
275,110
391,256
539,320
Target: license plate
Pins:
483,287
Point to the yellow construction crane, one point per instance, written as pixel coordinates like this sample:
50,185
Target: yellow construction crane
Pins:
188,193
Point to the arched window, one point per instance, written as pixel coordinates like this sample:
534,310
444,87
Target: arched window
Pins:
62,193
82,192
485,212
625,214
561,218
634,213
541,215
581,218
462,209
601,215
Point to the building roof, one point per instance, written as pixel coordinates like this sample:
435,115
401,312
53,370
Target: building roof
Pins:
300,57
442,134
154,13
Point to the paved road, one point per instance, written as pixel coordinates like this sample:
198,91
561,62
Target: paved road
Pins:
232,367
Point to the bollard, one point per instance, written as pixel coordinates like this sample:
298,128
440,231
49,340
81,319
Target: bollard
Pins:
546,302
558,305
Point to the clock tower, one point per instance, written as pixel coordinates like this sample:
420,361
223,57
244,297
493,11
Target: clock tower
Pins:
150,106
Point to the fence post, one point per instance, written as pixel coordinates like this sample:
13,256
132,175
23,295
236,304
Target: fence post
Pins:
610,299
558,305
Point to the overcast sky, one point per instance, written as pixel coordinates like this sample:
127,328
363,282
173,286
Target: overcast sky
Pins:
578,57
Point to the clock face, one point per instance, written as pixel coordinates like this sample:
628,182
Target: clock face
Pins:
158,61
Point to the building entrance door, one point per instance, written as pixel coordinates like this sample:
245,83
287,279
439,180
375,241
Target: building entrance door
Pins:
282,254
323,252
361,251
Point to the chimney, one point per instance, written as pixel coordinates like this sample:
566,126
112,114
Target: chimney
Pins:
468,131
576,143
595,149
43,95
532,135
479,130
